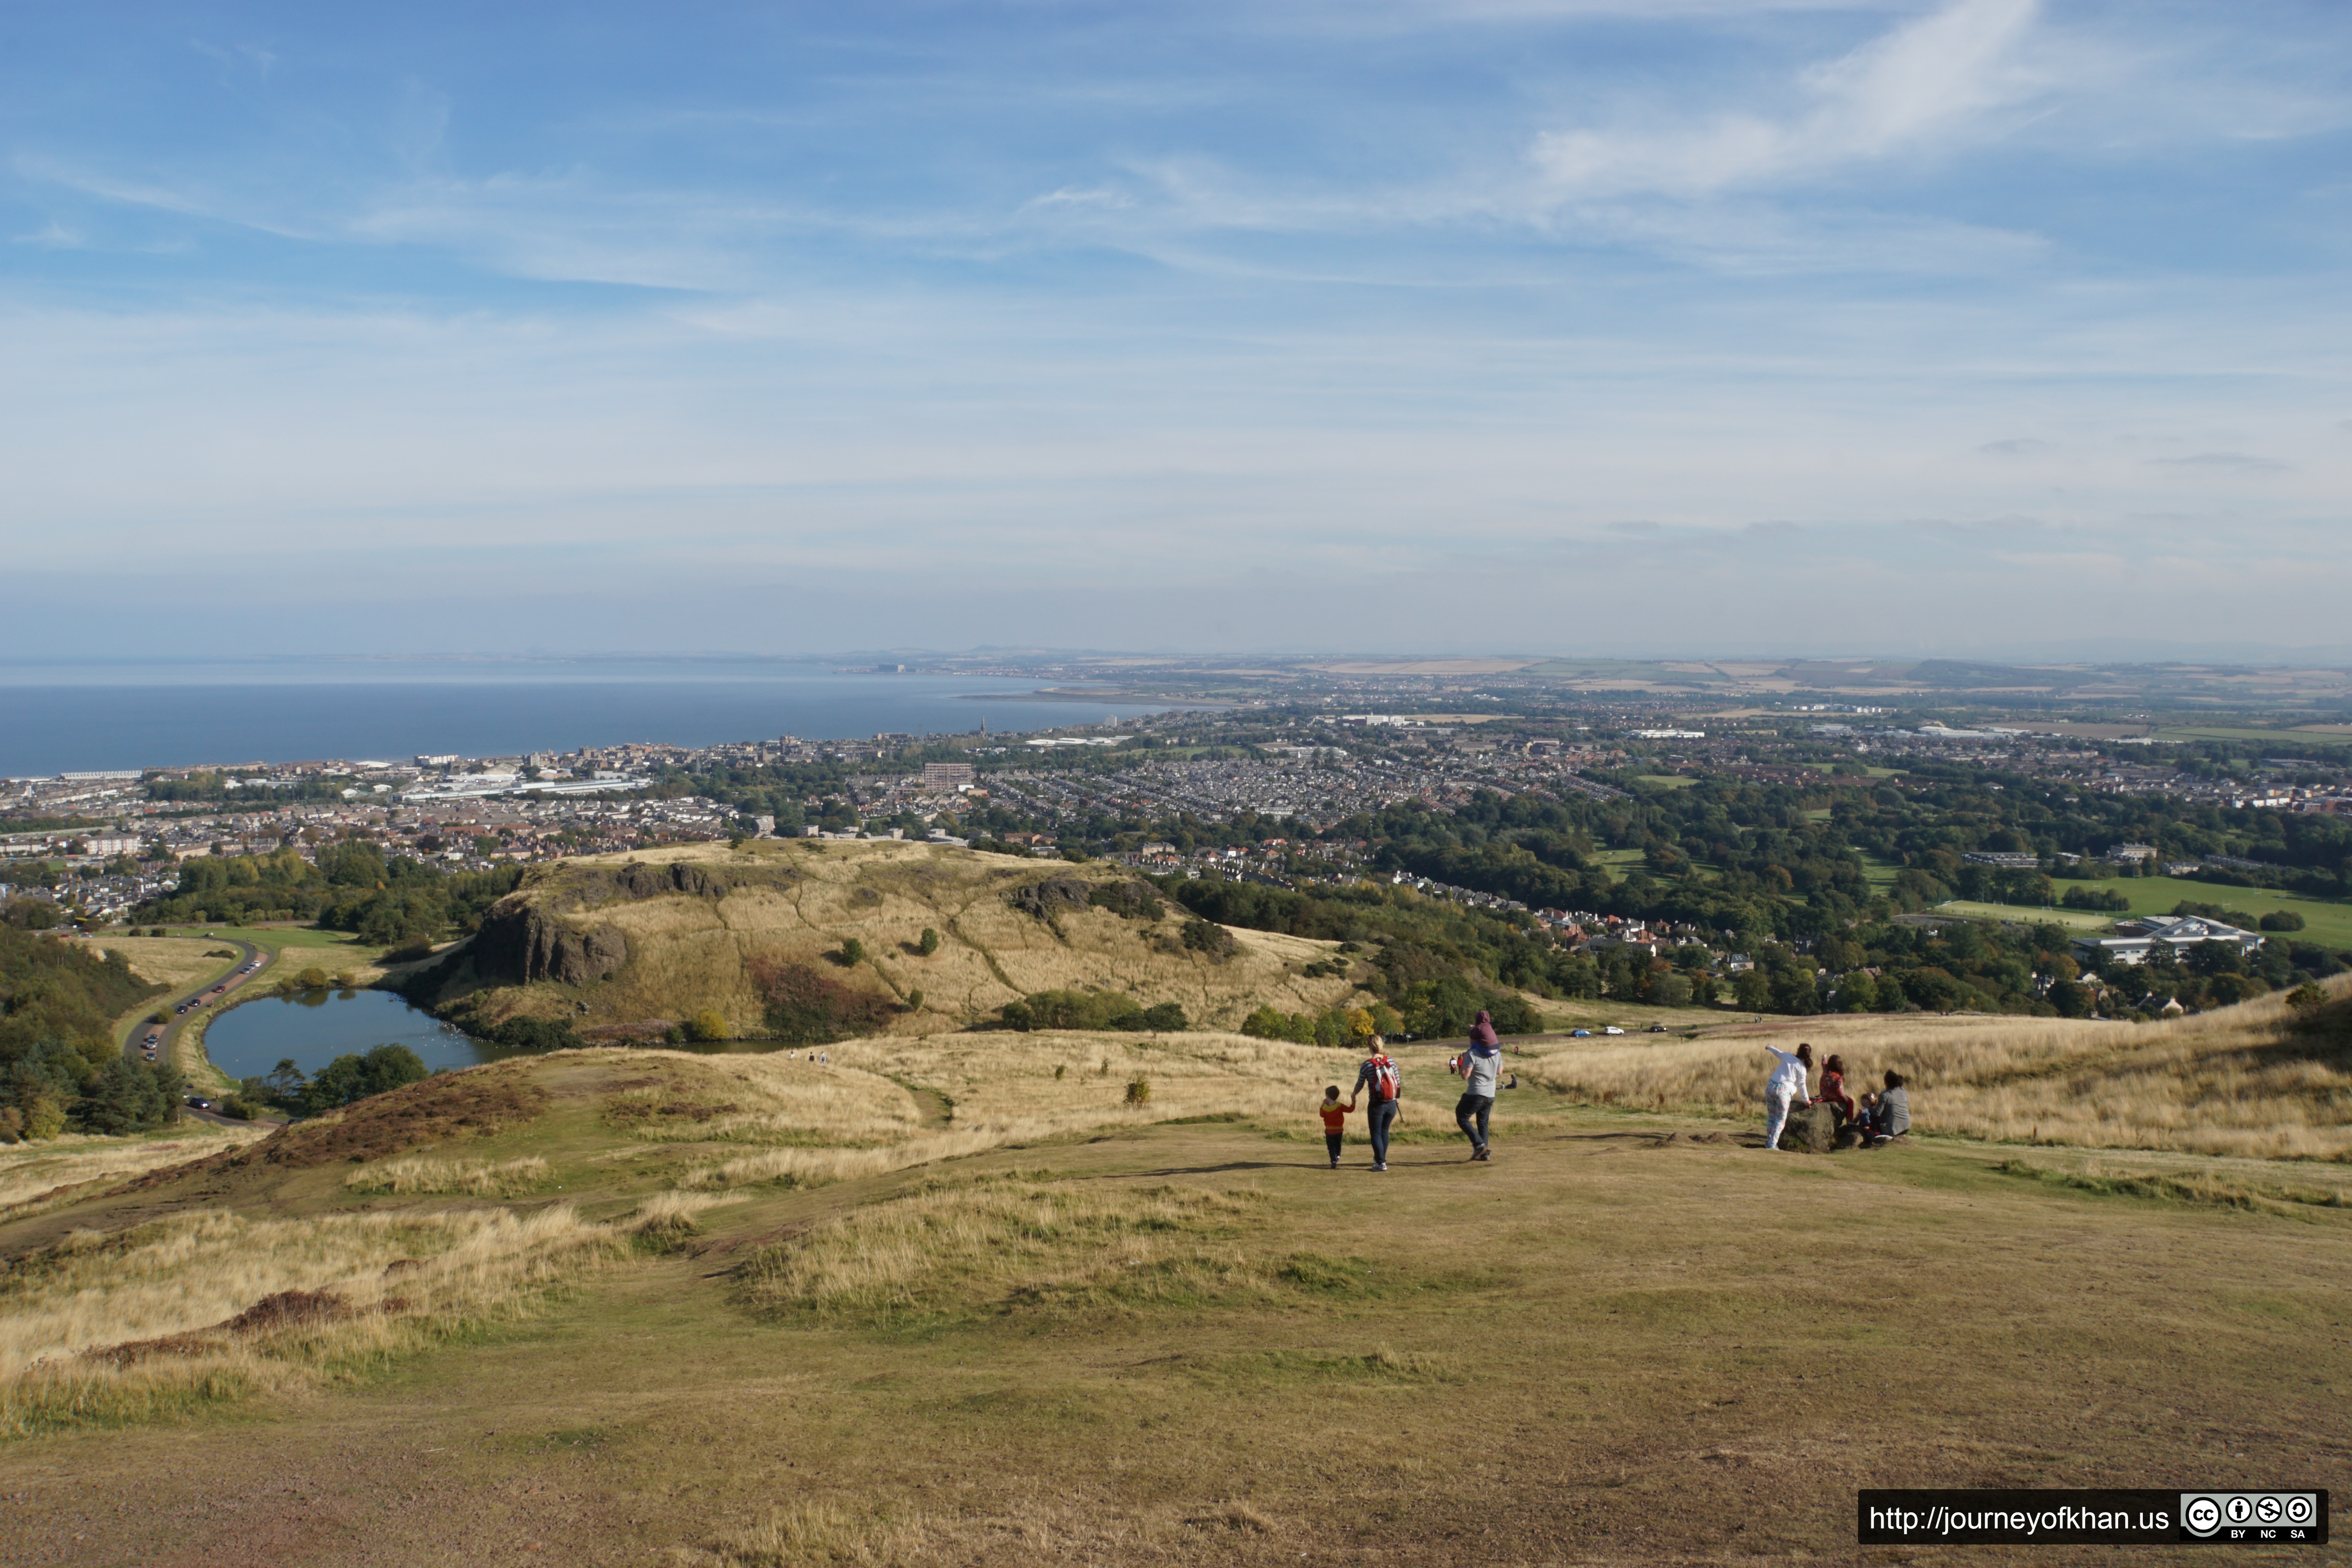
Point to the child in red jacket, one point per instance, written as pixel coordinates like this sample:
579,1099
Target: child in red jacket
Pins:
1334,1122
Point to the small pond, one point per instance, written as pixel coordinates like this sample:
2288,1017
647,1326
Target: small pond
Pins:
314,1027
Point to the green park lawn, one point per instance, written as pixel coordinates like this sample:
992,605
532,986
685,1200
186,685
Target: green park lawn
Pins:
306,941
2324,921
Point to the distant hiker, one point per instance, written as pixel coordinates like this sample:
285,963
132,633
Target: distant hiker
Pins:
1383,1088
1482,1064
1833,1094
1786,1088
1334,1122
1890,1116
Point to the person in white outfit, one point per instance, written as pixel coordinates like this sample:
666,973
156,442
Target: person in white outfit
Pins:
1786,1089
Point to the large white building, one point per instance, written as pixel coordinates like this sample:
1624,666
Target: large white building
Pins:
2133,941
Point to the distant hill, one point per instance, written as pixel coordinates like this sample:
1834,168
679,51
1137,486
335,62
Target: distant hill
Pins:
610,944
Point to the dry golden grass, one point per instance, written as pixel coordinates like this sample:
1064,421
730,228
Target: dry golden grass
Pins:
105,1328
2238,1081
473,1178
177,962
966,1244
2221,1187
1041,1529
689,953
1002,1089
33,1172
773,1098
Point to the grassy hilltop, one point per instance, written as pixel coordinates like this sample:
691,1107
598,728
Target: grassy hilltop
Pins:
609,942
1094,1298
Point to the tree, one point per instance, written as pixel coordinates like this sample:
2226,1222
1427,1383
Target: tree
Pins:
2069,998
852,952
1754,989
929,944
350,1078
708,1026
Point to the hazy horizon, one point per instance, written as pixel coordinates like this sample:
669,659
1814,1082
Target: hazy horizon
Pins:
1984,329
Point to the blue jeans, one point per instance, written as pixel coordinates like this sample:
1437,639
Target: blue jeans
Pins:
1469,1107
1382,1112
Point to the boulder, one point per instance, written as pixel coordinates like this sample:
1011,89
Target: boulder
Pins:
1812,1129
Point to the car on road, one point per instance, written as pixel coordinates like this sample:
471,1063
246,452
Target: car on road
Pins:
1611,1029
1658,1029
199,1102
1580,1033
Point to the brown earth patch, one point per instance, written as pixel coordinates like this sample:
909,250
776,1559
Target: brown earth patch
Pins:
478,1100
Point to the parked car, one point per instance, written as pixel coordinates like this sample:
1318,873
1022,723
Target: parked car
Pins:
1580,1033
1611,1029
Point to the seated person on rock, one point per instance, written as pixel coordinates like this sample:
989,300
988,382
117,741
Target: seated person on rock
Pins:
1833,1094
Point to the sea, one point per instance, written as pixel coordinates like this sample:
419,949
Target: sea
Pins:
60,718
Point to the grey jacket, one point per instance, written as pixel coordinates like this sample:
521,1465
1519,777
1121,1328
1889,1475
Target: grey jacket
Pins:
1895,1107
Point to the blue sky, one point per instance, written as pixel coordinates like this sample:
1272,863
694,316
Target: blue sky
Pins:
1527,325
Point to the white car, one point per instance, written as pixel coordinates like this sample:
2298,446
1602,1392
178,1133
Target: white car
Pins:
1612,1029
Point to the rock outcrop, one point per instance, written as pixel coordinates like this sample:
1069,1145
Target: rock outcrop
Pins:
519,944
1043,899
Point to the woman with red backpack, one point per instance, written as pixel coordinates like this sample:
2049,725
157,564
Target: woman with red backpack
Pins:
1381,1087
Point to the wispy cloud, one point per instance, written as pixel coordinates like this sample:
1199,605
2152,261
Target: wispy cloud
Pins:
2233,462
1926,80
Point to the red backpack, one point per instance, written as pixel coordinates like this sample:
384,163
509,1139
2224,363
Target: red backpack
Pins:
1384,1078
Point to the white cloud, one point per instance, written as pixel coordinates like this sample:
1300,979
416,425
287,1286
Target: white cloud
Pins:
1927,79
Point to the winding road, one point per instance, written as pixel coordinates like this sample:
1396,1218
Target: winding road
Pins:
185,1007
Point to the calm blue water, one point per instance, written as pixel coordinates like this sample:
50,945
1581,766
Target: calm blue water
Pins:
82,724
318,1027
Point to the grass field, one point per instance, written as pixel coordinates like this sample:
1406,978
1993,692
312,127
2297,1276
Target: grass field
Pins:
2324,733
177,963
34,1175
1011,1319
343,949
2325,922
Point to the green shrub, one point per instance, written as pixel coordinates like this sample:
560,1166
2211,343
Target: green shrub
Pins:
1090,1010
807,1006
2281,920
929,944
708,1026
353,1078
